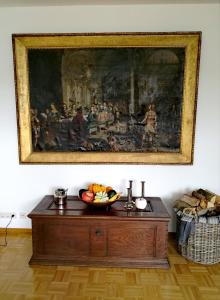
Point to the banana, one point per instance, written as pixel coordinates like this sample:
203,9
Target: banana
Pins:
114,197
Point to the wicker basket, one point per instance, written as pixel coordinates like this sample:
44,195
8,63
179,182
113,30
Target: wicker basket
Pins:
203,244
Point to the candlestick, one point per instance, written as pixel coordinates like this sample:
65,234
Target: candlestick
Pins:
142,188
129,204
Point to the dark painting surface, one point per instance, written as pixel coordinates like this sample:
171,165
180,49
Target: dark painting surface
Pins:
106,99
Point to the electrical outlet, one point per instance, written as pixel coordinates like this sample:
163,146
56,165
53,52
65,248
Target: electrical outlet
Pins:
23,215
6,215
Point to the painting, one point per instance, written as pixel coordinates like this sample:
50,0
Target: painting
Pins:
106,98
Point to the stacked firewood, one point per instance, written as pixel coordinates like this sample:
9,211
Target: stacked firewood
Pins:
200,202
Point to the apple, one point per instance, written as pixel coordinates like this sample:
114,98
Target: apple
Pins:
141,203
87,196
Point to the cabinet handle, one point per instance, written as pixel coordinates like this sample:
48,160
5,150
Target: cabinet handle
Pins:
98,232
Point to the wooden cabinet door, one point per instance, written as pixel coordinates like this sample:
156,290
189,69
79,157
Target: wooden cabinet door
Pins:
67,240
135,240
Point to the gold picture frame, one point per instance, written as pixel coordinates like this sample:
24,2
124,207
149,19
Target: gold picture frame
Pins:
106,69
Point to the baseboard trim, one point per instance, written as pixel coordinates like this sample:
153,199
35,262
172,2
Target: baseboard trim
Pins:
16,230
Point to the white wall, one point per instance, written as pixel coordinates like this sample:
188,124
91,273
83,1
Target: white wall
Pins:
23,186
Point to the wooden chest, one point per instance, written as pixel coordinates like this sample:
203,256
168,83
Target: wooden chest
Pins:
82,235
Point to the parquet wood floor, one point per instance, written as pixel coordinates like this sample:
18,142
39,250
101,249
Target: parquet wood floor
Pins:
183,281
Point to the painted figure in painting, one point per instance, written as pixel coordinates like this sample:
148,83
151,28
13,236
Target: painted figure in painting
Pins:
150,121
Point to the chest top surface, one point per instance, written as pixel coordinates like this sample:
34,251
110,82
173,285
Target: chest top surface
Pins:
75,208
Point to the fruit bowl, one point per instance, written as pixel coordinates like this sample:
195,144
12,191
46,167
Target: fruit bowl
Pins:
98,195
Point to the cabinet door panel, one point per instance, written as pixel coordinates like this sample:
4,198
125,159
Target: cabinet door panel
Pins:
132,241
68,240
